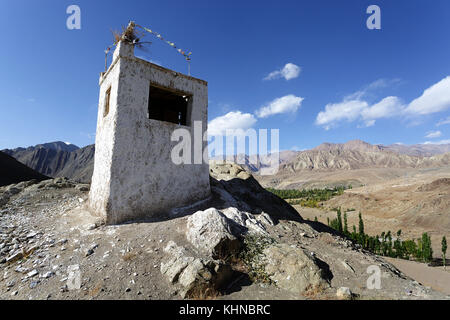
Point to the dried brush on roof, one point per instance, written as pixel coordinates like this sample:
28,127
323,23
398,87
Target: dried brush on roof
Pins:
129,35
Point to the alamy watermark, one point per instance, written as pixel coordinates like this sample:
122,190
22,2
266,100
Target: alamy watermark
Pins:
374,20
73,22
233,144
374,280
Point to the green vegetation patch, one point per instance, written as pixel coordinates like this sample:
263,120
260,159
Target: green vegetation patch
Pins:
252,254
308,197
386,244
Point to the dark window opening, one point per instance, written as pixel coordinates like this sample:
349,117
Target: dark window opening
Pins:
107,98
166,105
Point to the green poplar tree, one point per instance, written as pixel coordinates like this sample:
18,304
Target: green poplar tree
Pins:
339,220
361,225
427,252
444,249
345,224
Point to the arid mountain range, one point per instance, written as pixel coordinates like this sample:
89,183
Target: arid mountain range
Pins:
357,154
59,159
392,189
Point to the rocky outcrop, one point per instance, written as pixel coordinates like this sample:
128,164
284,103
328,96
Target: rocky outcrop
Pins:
195,277
220,235
238,188
212,233
218,238
292,268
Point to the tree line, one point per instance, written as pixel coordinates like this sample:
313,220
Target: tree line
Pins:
386,244
308,197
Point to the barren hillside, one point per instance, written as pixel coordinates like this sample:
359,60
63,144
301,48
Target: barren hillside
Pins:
243,243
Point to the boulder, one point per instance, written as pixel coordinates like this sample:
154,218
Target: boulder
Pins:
245,219
203,278
196,277
264,218
292,268
244,190
176,262
213,234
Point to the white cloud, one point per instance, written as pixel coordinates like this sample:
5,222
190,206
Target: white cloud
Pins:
434,99
369,123
446,141
286,104
375,85
382,83
386,108
354,108
234,120
443,122
433,134
289,71
359,110
347,110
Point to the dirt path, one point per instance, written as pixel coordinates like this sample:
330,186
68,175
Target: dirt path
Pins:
434,277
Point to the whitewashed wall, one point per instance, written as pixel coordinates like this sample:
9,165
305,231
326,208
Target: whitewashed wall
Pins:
134,176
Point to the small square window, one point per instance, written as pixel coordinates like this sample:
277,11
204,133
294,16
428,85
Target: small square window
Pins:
167,105
107,98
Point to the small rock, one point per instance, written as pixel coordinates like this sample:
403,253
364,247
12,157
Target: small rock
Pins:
91,249
11,284
47,275
32,273
74,277
14,257
344,293
33,284
91,226
31,235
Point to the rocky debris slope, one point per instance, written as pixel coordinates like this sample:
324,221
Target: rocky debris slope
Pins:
241,244
302,260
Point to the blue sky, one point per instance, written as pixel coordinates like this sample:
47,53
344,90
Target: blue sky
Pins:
342,81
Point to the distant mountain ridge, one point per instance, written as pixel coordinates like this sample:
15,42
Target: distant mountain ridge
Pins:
419,150
357,154
354,154
57,145
57,159
354,145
